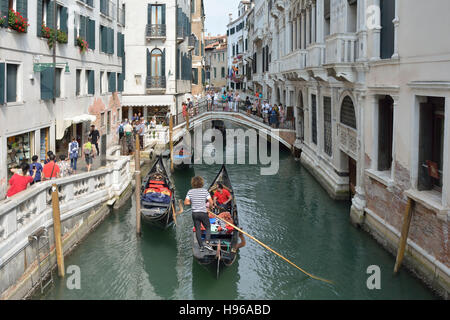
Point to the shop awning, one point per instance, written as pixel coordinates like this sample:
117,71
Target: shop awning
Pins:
61,126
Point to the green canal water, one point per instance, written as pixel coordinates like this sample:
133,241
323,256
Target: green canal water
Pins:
290,212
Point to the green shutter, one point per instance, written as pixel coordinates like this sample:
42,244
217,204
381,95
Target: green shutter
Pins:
120,84
2,83
63,22
163,63
90,3
91,34
112,82
51,14
112,41
119,51
149,63
83,27
22,7
163,9
47,76
149,14
39,5
91,82
104,36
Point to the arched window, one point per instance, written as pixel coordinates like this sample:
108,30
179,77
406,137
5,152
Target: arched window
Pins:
156,58
348,116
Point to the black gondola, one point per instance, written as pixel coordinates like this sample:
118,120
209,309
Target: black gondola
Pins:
158,209
224,241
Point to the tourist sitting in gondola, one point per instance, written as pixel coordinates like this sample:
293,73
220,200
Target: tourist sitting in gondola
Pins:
222,198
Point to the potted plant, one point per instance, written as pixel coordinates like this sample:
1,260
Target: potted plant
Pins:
17,22
61,36
82,44
48,33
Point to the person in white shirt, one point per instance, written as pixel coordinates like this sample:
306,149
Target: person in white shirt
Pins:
237,99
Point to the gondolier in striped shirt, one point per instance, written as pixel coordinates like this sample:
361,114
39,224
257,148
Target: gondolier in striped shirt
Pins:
197,198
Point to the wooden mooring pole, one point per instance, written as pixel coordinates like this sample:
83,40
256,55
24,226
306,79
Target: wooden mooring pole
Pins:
57,230
404,236
171,142
137,176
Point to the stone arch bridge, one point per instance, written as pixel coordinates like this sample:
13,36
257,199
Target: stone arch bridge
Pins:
285,136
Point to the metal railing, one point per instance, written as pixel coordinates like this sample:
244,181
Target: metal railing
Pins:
156,30
156,82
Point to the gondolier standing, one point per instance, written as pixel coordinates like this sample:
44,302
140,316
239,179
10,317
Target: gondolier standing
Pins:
197,198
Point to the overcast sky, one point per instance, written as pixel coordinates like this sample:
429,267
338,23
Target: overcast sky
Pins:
217,18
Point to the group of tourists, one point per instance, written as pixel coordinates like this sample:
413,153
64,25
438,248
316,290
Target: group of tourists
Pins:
54,166
229,100
188,109
129,128
273,115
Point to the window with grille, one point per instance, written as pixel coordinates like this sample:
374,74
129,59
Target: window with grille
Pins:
314,118
328,146
348,116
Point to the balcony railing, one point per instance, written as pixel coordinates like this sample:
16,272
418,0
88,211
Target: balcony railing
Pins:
156,82
181,32
316,55
294,61
156,31
341,48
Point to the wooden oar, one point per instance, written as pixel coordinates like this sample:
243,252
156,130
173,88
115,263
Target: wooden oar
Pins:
174,214
271,250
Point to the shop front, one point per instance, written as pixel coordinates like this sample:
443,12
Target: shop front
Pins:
19,149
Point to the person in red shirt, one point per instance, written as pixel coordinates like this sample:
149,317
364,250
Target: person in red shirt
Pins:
20,182
222,197
51,169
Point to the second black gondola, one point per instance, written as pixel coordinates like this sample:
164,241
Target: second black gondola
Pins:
157,196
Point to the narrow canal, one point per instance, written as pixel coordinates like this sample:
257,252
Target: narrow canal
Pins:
290,212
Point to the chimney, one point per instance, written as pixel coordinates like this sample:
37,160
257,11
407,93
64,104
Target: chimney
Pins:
231,16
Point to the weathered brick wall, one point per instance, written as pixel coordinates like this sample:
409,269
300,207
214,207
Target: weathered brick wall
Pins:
426,230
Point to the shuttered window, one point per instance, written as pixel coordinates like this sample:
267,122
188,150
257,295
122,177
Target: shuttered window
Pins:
2,83
91,82
328,143
107,40
64,16
11,82
120,82
22,7
112,82
314,118
90,33
195,76
348,116
78,83
47,76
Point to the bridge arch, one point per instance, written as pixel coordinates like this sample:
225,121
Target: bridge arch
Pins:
237,118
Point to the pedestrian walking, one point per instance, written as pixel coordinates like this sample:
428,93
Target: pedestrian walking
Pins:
64,166
51,169
20,181
74,150
95,136
36,165
88,154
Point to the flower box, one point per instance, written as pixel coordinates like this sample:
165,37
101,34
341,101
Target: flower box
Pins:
17,22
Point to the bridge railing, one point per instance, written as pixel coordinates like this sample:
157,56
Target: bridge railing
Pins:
224,106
